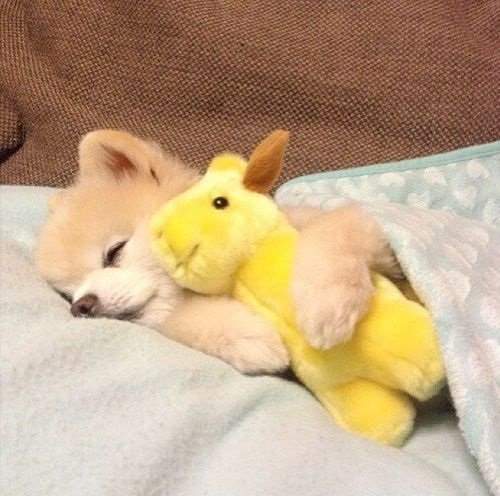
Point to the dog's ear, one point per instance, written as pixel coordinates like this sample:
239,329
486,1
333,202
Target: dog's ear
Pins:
55,200
264,164
111,154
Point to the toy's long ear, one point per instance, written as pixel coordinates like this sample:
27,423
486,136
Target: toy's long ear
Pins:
112,154
265,163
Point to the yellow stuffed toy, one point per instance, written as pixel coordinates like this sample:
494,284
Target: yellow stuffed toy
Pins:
225,236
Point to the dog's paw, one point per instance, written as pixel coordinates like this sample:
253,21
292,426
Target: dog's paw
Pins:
256,350
329,304
387,263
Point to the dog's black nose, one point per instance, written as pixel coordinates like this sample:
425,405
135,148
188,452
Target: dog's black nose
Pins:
86,306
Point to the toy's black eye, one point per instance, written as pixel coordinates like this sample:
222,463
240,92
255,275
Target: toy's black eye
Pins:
112,255
220,202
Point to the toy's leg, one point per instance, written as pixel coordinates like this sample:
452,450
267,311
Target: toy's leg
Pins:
419,373
370,409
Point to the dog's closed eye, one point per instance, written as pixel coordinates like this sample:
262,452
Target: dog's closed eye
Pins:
112,255
66,296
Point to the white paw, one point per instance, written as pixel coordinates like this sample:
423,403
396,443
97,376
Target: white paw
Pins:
257,351
328,307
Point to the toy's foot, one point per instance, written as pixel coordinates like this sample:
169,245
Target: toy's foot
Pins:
420,373
427,382
420,376
402,350
372,410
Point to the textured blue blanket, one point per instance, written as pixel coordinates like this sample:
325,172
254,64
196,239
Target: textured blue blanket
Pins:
442,217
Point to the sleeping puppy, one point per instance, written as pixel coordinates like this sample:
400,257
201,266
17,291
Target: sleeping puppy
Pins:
94,250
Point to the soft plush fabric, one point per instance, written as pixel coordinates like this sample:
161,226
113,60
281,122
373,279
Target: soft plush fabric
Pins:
247,251
447,239
108,408
355,82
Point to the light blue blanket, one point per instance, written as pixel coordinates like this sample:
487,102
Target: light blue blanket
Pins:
447,238
99,407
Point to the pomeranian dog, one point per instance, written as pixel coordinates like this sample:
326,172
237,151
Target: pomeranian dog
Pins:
94,250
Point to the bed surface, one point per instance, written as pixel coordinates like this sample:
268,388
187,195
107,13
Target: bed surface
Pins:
106,407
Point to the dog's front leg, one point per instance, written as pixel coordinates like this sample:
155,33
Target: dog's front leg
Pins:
225,328
331,284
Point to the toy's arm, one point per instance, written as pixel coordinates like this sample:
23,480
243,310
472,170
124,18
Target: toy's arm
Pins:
331,284
225,328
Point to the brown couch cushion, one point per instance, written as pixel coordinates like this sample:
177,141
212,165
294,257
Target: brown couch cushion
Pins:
355,82
11,127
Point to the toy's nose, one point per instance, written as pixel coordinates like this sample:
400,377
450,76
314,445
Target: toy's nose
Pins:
182,253
86,306
172,239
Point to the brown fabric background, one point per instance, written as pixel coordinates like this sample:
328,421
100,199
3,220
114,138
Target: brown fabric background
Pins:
356,82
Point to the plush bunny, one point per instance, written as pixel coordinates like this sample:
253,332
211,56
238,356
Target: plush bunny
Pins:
224,235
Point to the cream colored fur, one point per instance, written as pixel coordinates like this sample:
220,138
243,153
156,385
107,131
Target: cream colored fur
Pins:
122,181
335,252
